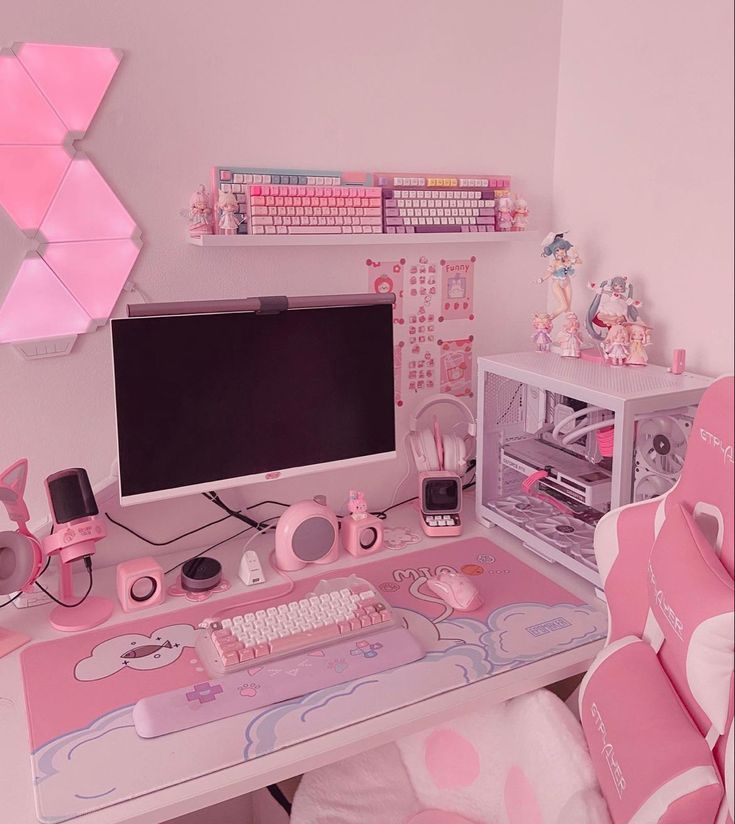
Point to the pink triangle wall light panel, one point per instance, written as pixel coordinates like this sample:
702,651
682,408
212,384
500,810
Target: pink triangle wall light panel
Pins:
85,242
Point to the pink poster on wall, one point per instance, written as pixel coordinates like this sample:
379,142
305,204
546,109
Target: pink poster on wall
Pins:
455,365
458,278
385,277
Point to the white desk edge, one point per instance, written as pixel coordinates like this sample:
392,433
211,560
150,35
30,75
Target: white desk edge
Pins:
195,794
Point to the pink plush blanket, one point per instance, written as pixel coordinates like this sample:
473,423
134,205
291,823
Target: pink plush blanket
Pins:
521,762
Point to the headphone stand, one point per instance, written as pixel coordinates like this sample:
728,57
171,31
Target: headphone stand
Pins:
90,613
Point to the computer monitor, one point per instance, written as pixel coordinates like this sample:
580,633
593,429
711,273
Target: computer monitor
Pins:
213,400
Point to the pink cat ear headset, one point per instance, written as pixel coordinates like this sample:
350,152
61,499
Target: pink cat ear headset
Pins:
433,450
21,556
76,529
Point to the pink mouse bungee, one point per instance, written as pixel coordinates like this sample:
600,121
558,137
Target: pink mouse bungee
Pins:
456,590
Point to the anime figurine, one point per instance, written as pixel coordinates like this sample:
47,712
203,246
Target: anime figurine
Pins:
504,215
616,344
569,339
613,301
542,323
199,213
564,257
229,219
357,505
520,215
639,335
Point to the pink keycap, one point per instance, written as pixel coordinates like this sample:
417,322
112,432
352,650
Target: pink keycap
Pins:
246,654
230,658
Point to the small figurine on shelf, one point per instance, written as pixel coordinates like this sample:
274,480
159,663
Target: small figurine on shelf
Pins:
229,219
199,213
616,344
569,339
613,301
520,215
639,335
542,323
560,269
357,505
504,214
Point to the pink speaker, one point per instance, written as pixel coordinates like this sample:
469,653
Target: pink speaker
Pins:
307,533
139,584
362,536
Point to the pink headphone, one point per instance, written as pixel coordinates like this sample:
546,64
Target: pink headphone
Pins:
21,556
431,449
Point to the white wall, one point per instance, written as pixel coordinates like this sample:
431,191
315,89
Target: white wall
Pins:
643,175
420,84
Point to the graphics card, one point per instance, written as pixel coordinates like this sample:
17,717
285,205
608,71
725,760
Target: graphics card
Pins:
568,475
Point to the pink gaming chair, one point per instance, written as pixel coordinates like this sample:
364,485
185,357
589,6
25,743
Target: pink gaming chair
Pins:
657,704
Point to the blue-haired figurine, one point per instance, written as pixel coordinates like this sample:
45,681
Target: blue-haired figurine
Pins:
612,303
564,257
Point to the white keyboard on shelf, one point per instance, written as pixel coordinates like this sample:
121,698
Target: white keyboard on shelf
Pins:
336,610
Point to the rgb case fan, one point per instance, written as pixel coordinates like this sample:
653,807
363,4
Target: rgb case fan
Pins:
522,509
660,449
564,532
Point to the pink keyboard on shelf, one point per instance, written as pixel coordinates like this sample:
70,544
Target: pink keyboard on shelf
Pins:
426,203
336,610
314,210
301,202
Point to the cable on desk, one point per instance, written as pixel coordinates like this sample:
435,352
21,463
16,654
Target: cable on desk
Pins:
151,542
170,540
235,513
88,565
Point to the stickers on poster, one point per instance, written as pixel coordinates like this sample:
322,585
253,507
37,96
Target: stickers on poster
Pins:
385,277
455,367
458,277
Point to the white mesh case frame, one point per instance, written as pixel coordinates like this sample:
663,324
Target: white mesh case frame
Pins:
505,382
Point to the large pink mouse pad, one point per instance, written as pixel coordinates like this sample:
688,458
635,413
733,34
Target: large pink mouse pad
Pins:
81,690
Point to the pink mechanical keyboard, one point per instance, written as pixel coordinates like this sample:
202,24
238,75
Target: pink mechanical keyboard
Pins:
314,210
298,202
439,203
335,611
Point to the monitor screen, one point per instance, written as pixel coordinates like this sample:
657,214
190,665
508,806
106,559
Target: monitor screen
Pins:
208,401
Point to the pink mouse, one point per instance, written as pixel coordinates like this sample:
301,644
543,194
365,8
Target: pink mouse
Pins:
456,590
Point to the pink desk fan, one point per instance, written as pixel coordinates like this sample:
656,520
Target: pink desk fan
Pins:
23,557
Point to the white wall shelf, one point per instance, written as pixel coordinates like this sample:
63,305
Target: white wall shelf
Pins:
362,240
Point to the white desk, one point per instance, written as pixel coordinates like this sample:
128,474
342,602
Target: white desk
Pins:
16,792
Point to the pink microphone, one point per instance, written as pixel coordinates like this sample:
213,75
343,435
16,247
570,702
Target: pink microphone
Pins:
77,528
